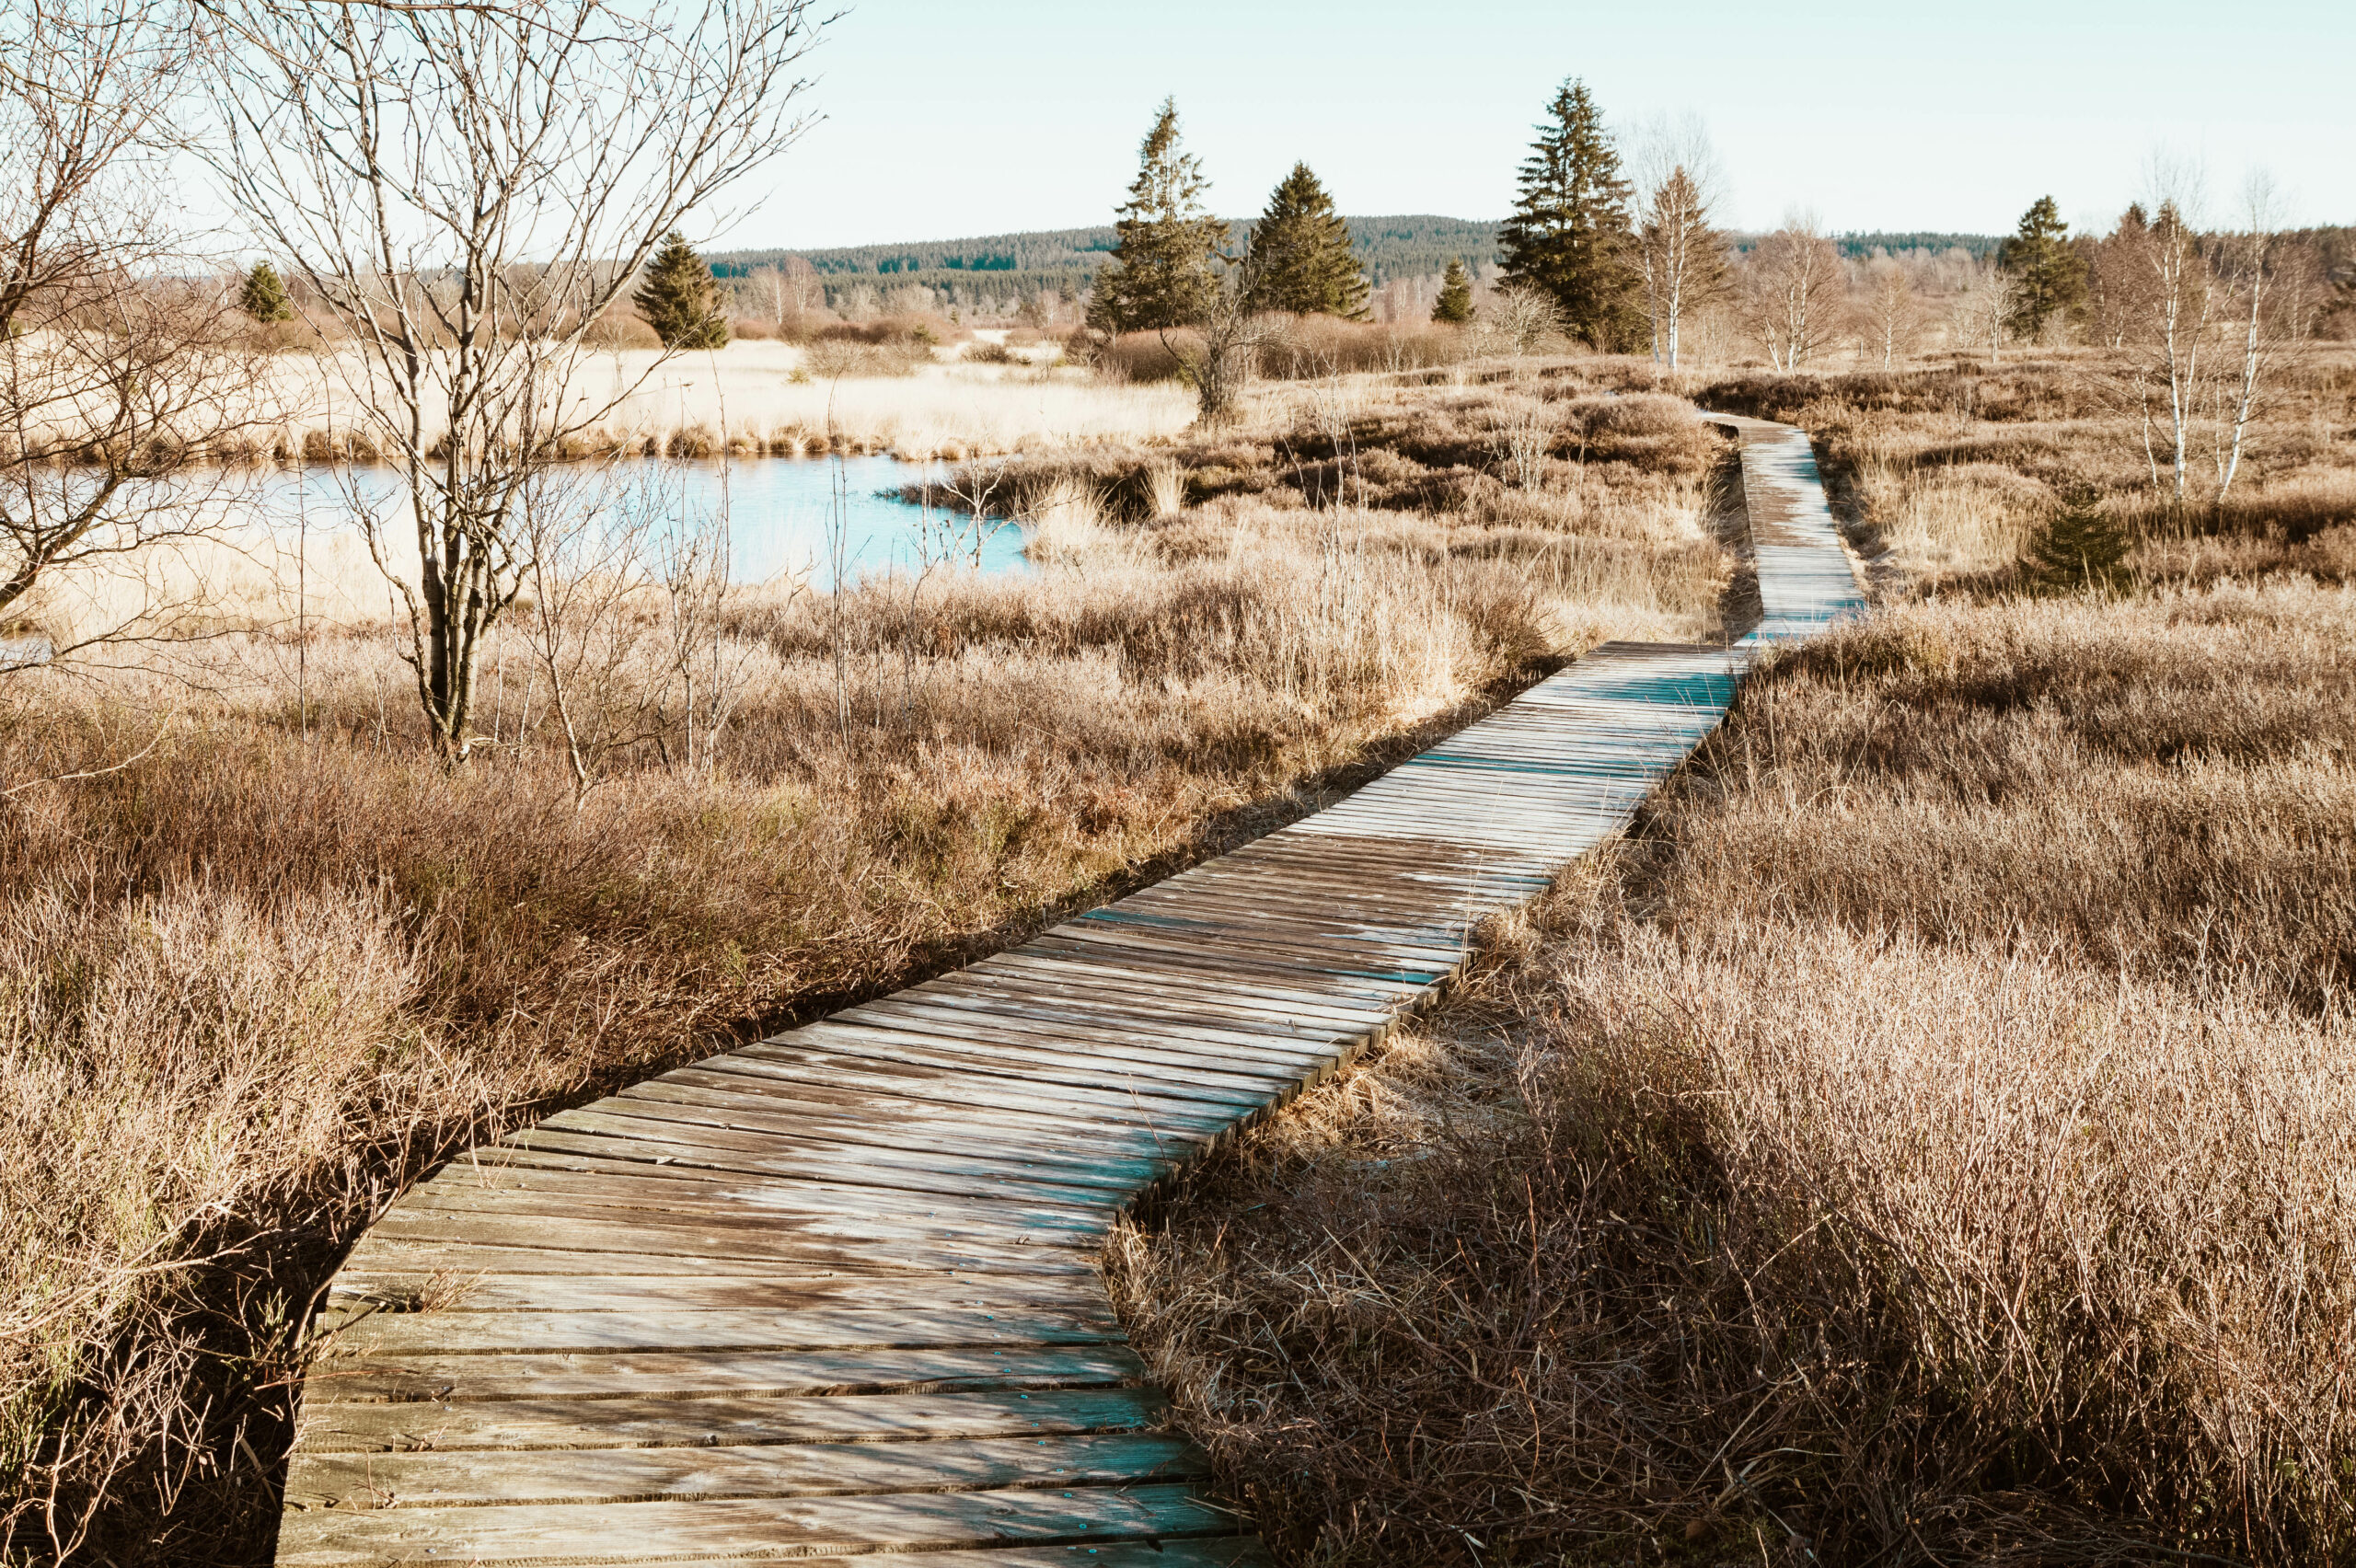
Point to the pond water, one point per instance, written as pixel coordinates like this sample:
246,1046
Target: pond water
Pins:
786,516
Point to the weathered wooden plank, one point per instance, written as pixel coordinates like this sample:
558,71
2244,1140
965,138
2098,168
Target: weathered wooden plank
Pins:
795,1470
684,1247
739,1075
1042,1059
568,1151
693,1375
794,1107
766,1526
725,1420
825,1130
773,1201
358,1289
898,1327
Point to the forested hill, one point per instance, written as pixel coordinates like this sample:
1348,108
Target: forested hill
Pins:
1054,259
1861,244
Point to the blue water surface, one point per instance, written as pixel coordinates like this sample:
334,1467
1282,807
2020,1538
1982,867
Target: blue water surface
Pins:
787,517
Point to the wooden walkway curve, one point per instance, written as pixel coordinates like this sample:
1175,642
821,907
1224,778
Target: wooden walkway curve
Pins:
834,1294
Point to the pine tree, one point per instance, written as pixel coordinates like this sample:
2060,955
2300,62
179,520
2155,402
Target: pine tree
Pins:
1300,252
2077,545
1455,296
1569,232
679,299
264,297
1160,273
2050,275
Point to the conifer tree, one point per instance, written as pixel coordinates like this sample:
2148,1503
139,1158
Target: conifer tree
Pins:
264,297
1570,232
2050,276
1160,273
679,299
1302,251
2077,545
1455,296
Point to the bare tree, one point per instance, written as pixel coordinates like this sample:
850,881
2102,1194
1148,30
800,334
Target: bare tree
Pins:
1981,313
586,573
2272,302
1219,363
464,189
1678,183
790,289
1891,313
2176,324
120,353
1793,288
2118,280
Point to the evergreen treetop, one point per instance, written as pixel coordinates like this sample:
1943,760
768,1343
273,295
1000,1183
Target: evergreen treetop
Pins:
1455,296
1160,272
1570,232
264,297
679,299
2049,275
1301,249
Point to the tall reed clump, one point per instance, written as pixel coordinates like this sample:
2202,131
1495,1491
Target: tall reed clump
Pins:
1928,1142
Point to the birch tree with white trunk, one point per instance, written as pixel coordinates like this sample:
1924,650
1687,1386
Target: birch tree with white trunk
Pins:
1793,288
1679,186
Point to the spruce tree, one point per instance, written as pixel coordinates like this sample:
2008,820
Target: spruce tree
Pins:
1455,296
1570,232
264,297
2049,275
680,300
2077,545
1300,254
1160,274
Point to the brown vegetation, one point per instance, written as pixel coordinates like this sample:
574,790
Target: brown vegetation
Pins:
1597,498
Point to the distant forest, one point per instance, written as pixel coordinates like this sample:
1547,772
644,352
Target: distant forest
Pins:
1062,262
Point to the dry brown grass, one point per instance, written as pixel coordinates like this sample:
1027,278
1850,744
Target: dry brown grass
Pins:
255,982
1928,1142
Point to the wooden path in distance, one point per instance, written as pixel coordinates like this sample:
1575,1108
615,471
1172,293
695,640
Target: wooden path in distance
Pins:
834,1295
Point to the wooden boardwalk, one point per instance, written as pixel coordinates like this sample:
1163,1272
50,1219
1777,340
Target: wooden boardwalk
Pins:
835,1295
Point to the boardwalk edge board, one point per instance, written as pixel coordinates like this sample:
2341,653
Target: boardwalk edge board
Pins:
831,1297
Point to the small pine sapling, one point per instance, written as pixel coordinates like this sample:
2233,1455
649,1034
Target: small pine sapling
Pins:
264,297
2078,546
679,299
1455,304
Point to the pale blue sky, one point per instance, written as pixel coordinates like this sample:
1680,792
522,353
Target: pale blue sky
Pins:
956,117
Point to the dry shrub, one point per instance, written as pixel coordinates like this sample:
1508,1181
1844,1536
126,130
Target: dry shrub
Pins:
1145,356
